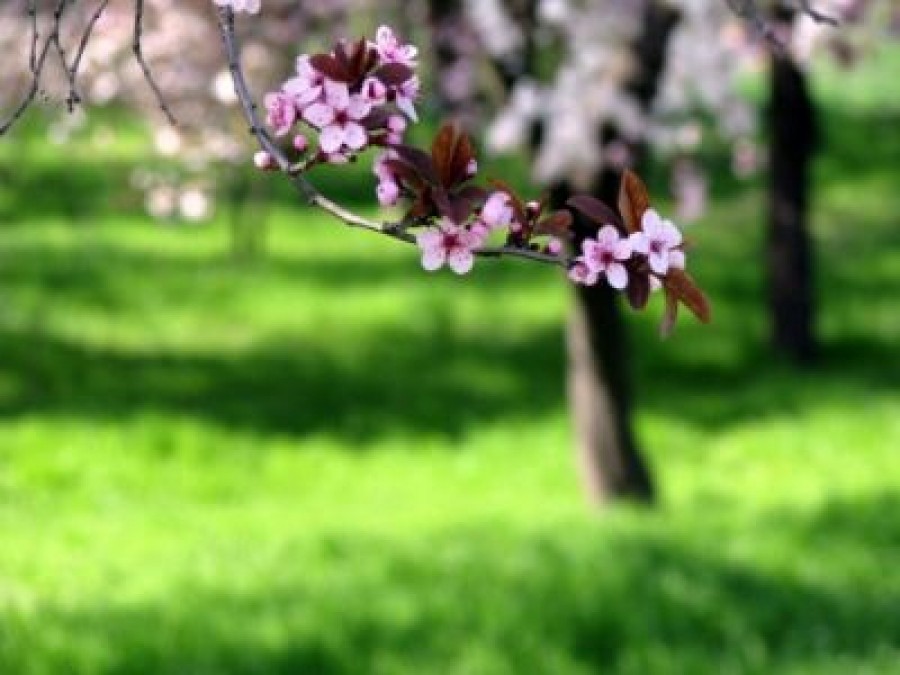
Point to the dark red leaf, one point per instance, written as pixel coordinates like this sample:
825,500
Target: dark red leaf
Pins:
557,224
680,284
595,210
330,67
419,160
670,314
633,200
638,290
394,74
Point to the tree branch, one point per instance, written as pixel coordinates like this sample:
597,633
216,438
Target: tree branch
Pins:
395,230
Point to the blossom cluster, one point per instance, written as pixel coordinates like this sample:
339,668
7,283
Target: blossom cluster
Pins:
359,95
654,249
362,95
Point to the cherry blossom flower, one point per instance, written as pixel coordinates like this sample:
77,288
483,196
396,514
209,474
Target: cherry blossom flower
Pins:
374,91
659,240
605,255
390,49
338,118
308,85
247,6
497,211
448,244
281,113
581,273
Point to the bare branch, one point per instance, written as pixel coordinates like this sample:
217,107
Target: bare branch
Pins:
395,230
138,50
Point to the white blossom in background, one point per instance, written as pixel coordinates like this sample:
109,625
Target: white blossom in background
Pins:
248,6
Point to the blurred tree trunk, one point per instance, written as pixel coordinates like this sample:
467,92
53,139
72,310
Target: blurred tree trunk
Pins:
599,378
793,129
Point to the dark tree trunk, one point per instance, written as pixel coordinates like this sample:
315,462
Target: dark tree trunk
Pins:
792,123
599,378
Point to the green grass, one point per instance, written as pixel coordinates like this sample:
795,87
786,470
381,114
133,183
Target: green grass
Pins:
326,461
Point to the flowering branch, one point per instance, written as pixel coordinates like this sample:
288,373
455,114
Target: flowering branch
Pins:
274,157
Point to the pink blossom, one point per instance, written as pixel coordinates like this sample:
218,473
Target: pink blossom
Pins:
307,87
605,254
497,210
391,51
281,113
658,240
582,274
472,167
248,6
301,143
448,243
555,245
388,193
338,117
374,91
405,97
396,124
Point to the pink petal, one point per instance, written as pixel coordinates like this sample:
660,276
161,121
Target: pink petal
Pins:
460,260
358,108
640,243
496,211
651,223
608,235
670,235
319,115
433,259
677,259
622,249
406,106
429,239
659,263
355,136
617,276
337,94
331,138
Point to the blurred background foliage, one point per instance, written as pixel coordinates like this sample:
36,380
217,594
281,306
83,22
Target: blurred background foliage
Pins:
317,459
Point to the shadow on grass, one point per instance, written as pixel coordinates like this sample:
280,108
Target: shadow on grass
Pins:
482,600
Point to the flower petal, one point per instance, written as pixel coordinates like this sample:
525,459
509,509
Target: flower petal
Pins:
355,136
433,259
460,260
319,115
622,249
659,263
332,138
677,259
670,234
640,243
651,223
617,276
337,94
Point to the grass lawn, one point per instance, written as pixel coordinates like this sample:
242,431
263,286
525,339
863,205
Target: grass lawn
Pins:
325,461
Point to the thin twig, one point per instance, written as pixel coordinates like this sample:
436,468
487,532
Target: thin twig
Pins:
138,50
395,230
82,46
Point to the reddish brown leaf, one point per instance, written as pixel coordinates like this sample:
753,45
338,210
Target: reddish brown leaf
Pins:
463,154
638,290
556,224
670,314
595,210
418,160
443,149
330,67
633,200
680,284
394,74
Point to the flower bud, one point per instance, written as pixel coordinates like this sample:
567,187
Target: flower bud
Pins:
300,143
388,193
264,161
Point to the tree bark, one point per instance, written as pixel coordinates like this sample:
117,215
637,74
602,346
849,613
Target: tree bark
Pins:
792,123
599,379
